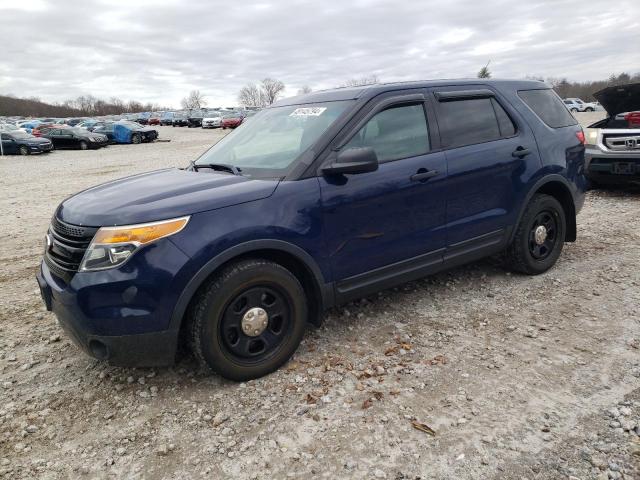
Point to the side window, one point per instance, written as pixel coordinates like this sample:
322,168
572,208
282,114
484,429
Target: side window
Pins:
548,107
465,122
507,128
395,133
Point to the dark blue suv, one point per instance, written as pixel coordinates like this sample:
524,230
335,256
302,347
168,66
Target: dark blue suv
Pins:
318,200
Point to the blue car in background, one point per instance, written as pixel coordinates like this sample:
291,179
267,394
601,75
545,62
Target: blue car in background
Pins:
318,200
126,131
167,118
30,125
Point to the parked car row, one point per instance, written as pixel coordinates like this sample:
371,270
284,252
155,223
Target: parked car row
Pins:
49,136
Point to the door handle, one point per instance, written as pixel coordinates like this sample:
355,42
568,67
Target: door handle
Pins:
520,152
423,175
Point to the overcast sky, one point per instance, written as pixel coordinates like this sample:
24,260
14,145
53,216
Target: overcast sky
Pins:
159,50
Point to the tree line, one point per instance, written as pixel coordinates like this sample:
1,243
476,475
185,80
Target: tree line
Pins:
568,89
83,106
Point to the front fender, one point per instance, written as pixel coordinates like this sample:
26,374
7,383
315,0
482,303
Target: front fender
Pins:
325,289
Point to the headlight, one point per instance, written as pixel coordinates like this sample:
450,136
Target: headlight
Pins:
112,246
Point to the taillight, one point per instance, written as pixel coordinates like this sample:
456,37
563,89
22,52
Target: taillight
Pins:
581,137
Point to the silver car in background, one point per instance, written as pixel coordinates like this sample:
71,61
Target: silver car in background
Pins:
613,144
212,120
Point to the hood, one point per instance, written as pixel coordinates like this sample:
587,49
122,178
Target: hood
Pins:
622,98
160,195
38,140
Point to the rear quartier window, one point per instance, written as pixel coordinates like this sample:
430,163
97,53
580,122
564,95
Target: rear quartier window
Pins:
548,106
478,120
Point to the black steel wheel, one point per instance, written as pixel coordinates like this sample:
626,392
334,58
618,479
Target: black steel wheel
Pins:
543,235
248,319
255,323
539,236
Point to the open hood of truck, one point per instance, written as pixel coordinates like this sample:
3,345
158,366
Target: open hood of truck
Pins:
622,98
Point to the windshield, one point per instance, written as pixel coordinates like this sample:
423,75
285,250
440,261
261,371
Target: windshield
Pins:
275,137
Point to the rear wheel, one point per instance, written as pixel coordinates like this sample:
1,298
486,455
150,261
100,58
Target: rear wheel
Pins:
83,145
248,320
539,237
574,110
24,150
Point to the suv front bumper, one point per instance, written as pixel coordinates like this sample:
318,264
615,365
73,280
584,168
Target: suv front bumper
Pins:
122,317
609,167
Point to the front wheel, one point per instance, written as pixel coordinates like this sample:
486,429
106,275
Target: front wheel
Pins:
83,145
588,109
539,236
136,139
24,150
248,320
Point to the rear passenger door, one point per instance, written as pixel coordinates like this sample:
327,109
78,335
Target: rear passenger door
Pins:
489,153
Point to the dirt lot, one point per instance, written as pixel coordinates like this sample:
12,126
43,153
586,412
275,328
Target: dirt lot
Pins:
520,377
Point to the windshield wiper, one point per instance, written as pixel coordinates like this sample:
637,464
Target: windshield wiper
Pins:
221,167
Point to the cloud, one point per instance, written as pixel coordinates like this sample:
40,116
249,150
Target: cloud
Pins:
158,50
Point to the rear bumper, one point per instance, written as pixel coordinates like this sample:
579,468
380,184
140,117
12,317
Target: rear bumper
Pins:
611,168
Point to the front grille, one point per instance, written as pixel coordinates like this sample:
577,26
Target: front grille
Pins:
68,243
622,142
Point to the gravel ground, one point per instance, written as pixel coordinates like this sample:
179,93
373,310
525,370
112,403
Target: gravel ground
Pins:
519,377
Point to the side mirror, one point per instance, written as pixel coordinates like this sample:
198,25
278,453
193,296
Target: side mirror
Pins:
353,160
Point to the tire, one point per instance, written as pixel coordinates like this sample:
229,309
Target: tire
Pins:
526,254
218,314
83,145
588,109
24,150
574,110
136,139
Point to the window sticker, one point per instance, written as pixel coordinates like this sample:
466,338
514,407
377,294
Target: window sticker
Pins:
308,112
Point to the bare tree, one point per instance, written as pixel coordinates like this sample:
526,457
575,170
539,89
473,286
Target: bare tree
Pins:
250,96
194,100
271,90
362,81
484,71
304,90
263,95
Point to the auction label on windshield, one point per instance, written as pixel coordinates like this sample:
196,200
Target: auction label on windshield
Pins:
308,112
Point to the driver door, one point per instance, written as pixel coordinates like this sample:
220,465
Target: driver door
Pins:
387,224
